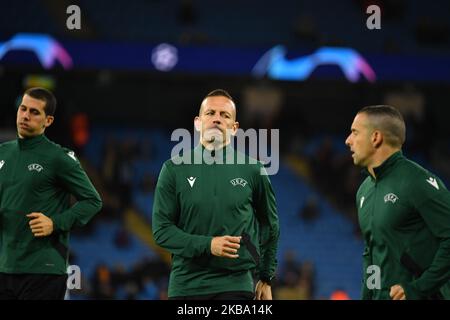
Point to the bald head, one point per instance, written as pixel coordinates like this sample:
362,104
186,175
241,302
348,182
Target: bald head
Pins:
387,120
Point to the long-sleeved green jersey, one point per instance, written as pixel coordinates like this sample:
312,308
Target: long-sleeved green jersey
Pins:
37,175
195,202
404,214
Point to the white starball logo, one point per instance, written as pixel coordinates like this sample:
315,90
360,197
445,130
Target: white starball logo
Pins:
164,57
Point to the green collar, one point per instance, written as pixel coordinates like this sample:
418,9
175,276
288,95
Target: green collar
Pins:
31,143
214,155
385,167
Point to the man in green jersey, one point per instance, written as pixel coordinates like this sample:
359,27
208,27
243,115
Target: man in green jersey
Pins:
403,210
37,178
218,218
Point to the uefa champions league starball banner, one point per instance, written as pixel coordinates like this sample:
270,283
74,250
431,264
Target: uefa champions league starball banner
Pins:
278,62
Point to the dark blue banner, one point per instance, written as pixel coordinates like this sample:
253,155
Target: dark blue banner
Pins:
277,62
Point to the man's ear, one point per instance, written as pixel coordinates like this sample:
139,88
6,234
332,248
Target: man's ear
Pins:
234,128
377,138
197,124
48,121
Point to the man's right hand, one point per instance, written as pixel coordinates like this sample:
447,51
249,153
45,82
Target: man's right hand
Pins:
225,246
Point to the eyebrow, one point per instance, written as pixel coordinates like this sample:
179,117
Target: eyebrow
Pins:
31,108
211,109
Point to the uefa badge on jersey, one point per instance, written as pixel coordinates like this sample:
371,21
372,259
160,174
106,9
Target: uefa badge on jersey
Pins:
238,182
390,197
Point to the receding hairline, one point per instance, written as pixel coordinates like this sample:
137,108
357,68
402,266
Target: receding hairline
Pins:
207,97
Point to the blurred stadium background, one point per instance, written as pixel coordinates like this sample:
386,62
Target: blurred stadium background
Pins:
137,70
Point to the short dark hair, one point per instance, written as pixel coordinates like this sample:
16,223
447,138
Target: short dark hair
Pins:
219,93
388,120
46,96
216,93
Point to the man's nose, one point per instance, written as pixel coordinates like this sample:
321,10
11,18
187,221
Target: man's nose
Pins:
217,120
347,141
25,115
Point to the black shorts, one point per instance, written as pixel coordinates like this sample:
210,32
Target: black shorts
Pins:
231,295
32,286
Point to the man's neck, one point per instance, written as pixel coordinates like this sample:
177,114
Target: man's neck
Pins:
28,137
214,146
379,157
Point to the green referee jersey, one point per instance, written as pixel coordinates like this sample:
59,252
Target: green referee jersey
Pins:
404,215
37,175
195,202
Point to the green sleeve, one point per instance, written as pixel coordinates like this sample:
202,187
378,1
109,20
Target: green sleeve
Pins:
73,178
432,201
164,221
266,212
366,294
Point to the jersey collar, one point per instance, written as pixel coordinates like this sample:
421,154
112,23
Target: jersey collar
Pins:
31,143
214,155
386,166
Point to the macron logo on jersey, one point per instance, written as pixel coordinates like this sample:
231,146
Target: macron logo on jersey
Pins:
2,163
35,167
433,182
72,155
191,181
361,202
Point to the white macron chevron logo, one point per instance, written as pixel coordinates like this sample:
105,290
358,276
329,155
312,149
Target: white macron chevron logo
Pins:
72,155
191,181
433,182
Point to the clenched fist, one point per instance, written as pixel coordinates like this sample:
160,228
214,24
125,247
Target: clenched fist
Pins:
40,224
397,293
225,246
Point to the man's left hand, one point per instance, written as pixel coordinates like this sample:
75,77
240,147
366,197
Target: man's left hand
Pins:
263,291
397,292
40,224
